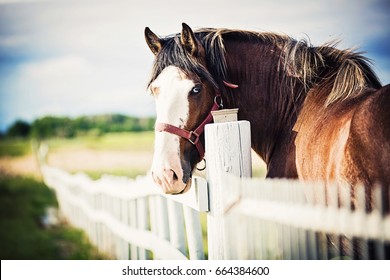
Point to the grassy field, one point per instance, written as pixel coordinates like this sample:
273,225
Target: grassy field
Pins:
23,202
119,154
123,154
14,147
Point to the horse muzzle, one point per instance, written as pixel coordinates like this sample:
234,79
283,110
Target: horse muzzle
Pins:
172,179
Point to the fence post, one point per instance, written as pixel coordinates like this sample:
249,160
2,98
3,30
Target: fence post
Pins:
228,151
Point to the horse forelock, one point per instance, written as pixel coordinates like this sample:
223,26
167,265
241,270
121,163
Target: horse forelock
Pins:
173,54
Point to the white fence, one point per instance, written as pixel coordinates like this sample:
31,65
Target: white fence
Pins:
246,218
131,219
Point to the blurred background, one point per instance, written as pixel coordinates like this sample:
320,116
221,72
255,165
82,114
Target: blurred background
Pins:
74,74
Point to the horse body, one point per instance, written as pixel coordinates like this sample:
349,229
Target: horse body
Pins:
316,113
345,144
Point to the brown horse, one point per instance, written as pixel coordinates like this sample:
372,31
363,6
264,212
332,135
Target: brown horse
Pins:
316,113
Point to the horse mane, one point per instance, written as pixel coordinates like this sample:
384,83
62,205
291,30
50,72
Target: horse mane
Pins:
344,73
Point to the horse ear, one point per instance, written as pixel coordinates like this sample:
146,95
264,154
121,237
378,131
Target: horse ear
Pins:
153,41
188,40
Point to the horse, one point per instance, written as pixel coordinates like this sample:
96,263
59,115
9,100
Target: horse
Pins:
316,113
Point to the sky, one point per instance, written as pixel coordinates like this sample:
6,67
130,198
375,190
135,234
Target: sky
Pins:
87,57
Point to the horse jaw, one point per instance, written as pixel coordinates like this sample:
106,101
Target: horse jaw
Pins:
170,90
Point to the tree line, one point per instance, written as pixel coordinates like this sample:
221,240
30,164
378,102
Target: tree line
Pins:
52,126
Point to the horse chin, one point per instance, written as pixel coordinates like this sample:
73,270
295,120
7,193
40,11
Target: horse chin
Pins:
186,188
188,176
179,187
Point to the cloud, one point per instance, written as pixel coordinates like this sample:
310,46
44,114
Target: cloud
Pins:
63,80
57,75
16,1
71,85
78,57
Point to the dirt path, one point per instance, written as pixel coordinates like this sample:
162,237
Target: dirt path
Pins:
100,160
24,165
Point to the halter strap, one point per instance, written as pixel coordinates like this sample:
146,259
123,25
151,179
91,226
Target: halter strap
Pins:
194,135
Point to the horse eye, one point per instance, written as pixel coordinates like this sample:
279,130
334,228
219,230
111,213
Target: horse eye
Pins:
196,89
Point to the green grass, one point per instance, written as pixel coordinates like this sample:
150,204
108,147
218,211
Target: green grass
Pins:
14,147
22,204
203,224
136,141
259,171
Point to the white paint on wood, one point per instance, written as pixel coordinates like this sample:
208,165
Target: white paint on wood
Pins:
142,223
137,237
133,224
196,197
176,225
132,213
228,151
194,233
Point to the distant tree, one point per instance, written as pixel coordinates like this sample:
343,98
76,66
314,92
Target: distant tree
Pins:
53,127
19,129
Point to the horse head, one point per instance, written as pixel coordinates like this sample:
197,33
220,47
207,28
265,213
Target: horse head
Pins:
184,96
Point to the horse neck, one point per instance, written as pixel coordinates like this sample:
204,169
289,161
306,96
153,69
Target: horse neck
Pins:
265,99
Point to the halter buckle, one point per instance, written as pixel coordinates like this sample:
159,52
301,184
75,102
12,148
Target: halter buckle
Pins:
193,133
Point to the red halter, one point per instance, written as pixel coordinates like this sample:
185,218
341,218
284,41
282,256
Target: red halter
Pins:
193,136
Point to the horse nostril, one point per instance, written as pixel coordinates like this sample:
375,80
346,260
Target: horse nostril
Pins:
175,178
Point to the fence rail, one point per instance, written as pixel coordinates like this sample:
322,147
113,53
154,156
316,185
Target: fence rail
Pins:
273,219
131,218
246,218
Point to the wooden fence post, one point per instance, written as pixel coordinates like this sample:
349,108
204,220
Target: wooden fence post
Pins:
228,151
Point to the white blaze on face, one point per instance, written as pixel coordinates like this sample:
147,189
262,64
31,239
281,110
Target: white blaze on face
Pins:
170,90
